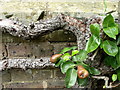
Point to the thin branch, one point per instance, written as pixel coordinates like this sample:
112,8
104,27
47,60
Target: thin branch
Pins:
17,28
106,79
78,27
25,63
93,56
116,85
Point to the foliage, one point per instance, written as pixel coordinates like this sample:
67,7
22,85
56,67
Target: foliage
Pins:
71,57
114,77
109,27
111,47
68,63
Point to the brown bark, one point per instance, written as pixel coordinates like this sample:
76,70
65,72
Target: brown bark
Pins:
25,63
16,28
79,27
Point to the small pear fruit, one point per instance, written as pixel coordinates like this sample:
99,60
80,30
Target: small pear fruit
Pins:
82,72
54,58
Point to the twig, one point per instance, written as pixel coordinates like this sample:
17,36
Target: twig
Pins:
106,79
114,85
92,58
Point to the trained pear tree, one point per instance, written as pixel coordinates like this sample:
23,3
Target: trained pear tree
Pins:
71,61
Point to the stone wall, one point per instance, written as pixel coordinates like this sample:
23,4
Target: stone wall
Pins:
43,46
14,47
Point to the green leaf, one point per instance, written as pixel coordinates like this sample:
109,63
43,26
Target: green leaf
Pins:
118,40
119,28
82,82
65,50
110,47
92,43
65,66
118,73
114,77
108,60
83,64
111,31
95,29
68,49
74,52
94,71
58,63
114,64
110,27
82,55
66,56
111,61
75,58
71,77
118,56
73,47
101,45
108,21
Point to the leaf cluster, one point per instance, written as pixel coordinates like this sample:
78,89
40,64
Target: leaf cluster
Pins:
68,62
71,57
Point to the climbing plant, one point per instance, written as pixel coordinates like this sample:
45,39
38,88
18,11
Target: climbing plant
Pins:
72,61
